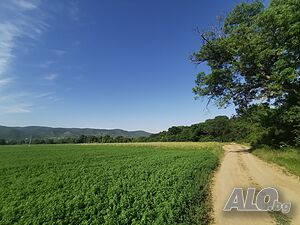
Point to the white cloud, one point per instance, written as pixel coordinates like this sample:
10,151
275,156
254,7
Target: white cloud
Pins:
51,77
42,95
8,33
74,10
47,96
4,98
24,102
21,23
14,103
59,52
18,108
17,22
46,64
12,97
25,5
4,82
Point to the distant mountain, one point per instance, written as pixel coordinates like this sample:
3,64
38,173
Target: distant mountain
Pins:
19,133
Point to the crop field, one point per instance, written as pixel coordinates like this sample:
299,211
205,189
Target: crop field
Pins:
151,183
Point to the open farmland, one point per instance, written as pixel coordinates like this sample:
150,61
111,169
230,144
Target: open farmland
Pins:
154,183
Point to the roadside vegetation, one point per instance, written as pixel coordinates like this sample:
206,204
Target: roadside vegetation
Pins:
289,158
155,183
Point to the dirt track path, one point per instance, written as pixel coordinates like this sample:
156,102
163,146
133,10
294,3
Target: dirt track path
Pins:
240,168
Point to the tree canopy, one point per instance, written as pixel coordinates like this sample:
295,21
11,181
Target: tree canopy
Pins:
254,56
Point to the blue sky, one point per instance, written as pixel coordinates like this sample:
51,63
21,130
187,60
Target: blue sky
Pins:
103,64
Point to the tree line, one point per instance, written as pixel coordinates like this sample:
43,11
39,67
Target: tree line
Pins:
72,140
259,125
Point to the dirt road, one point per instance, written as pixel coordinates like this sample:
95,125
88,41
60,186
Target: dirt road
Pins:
240,168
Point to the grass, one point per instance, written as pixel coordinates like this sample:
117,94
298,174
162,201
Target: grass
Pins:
280,218
153,183
289,158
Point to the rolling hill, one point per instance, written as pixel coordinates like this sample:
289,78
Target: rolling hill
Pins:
19,133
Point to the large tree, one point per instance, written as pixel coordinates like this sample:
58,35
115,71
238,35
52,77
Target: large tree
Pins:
254,56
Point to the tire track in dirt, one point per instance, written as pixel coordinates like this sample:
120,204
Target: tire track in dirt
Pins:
240,168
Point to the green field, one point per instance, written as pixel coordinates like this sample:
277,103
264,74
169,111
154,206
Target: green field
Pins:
289,158
154,183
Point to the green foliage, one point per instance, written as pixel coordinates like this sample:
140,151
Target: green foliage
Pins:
277,127
254,55
106,184
220,128
259,125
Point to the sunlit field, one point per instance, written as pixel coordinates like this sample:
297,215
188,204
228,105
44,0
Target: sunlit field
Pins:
144,183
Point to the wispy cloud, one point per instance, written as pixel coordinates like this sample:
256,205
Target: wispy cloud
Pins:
14,103
12,97
18,108
51,77
43,95
47,96
5,81
16,22
24,102
74,10
46,64
8,33
59,52
26,5
20,23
